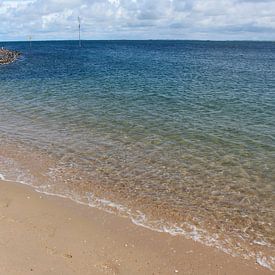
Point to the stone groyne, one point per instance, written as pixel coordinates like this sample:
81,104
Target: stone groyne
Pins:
8,56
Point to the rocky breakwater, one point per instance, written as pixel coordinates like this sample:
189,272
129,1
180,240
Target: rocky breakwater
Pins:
8,56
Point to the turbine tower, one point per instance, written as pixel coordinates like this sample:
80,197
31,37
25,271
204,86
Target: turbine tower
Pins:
30,40
79,25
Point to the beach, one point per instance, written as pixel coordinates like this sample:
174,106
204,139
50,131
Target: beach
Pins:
164,145
49,235
137,137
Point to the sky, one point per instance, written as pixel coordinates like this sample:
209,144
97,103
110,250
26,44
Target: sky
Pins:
137,19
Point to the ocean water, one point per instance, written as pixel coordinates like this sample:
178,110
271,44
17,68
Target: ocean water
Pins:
177,135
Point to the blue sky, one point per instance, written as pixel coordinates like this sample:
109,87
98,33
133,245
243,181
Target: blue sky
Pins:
138,19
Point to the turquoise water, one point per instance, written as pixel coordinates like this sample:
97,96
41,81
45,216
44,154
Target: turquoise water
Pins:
180,131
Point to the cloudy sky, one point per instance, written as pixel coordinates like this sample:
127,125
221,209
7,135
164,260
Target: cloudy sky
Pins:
138,19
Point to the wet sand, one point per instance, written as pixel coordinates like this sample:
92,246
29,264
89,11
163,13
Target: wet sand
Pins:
42,234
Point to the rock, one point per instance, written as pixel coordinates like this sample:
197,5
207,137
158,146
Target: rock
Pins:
7,56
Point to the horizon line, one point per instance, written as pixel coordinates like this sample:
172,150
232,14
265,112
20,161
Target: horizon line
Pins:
125,39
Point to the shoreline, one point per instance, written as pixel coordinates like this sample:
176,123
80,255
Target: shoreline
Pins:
17,165
61,236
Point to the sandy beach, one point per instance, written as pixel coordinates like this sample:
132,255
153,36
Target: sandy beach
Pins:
137,137
49,235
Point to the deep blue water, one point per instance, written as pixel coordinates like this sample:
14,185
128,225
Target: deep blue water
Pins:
181,127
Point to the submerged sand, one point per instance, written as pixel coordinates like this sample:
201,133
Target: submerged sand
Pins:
42,234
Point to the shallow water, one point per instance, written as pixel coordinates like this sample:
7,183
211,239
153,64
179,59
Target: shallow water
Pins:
180,135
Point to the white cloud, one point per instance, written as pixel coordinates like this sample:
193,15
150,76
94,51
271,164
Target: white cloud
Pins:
138,19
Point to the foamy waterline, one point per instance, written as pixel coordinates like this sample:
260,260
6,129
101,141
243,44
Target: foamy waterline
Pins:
140,219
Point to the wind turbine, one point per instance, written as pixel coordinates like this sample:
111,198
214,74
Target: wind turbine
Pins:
79,25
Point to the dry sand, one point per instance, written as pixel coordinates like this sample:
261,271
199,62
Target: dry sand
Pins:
42,234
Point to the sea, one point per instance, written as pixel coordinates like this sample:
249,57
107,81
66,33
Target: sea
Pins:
178,136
